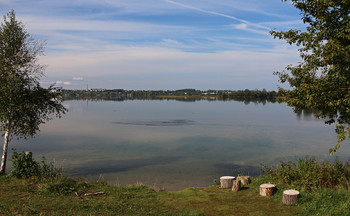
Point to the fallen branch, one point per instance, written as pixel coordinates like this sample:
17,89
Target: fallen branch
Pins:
93,194
79,193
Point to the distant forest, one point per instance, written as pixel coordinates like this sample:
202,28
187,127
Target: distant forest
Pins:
246,96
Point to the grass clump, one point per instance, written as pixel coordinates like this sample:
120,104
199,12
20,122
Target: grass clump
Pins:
324,186
48,178
24,166
308,174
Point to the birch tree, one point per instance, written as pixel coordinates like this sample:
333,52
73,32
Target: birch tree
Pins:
24,104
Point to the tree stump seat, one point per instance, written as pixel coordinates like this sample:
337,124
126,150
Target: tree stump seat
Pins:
290,197
226,181
267,189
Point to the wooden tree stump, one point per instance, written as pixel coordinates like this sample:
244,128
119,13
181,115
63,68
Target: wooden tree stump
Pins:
227,181
245,180
290,197
236,185
267,189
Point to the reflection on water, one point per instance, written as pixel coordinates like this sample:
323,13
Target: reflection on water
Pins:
179,122
112,166
174,145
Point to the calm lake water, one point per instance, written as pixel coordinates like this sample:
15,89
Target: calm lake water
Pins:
173,144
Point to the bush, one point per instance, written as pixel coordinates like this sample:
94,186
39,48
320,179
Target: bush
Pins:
309,174
50,179
24,166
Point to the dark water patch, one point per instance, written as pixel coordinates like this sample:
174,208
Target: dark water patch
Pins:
113,166
177,122
207,145
224,169
324,157
48,143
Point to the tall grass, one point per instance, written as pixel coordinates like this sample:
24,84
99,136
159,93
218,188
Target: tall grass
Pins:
49,178
308,174
24,166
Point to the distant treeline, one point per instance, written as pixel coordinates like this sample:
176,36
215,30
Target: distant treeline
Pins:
247,96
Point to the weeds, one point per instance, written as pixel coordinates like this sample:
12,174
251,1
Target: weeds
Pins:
49,178
309,174
24,166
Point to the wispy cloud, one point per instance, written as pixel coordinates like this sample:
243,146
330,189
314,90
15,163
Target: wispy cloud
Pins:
37,23
149,63
59,82
285,24
158,43
78,78
216,14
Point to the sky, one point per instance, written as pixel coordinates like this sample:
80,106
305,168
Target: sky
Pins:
160,44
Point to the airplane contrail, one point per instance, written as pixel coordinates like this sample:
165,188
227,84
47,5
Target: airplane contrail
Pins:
217,13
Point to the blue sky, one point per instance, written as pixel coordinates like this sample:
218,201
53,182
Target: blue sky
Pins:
160,44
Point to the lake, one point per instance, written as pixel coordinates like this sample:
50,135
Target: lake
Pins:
172,144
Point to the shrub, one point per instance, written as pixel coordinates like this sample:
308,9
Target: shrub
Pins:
49,170
24,166
309,174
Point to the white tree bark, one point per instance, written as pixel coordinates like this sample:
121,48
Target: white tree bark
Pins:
4,152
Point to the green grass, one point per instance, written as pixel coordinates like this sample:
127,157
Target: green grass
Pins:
308,174
321,201
37,197
55,194
31,197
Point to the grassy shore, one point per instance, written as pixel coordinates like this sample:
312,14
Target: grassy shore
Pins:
36,197
324,190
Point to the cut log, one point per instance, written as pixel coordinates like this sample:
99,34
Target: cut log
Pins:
267,189
236,185
245,180
227,181
290,197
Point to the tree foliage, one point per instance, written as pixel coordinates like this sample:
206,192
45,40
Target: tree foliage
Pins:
24,104
321,82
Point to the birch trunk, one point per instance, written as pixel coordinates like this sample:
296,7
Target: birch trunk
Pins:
4,152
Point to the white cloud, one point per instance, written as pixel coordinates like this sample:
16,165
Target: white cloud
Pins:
217,14
104,38
37,23
58,82
242,26
78,78
285,24
247,28
164,63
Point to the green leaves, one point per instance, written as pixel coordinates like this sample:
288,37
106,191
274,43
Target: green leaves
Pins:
24,104
322,81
